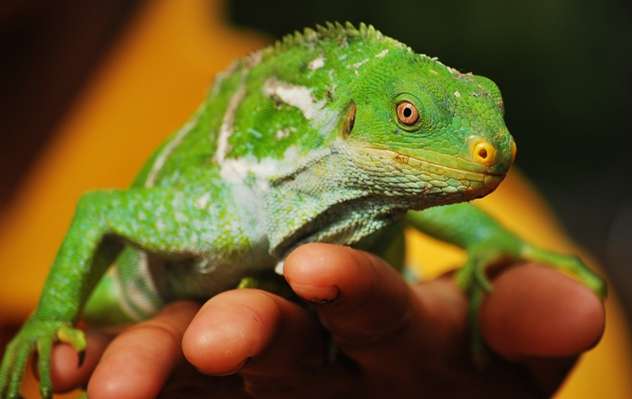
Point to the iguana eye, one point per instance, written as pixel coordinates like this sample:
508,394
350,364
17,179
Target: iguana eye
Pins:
407,113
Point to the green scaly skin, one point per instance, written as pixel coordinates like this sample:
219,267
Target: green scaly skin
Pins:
299,142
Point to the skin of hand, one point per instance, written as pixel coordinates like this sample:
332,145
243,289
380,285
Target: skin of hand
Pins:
393,339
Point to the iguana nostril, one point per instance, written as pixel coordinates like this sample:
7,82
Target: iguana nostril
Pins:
483,152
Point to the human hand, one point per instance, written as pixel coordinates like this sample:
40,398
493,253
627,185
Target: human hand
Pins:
396,340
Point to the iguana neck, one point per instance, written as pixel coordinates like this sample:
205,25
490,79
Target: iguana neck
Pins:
317,203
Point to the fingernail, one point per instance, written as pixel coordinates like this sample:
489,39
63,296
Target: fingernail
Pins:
325,301
319,295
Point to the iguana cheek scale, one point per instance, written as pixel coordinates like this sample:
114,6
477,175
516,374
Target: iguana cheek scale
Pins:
338,134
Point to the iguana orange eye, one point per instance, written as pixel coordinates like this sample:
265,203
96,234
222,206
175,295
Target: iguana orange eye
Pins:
407,113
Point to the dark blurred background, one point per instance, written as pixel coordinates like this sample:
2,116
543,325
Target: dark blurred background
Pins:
564,67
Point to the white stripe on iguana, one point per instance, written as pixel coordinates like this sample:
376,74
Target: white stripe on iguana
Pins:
294,95
138,295
253,59
202,201
226,128
221,77
125,306
166,151
317,63
267,169
236,170
283,133
358,64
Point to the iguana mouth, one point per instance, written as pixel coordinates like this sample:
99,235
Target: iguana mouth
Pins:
435,167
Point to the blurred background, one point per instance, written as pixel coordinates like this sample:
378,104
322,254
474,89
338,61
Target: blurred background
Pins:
564,67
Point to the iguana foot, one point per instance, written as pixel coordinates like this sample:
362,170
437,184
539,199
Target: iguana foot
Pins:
568,264
35,336
270,282
473,280
248,282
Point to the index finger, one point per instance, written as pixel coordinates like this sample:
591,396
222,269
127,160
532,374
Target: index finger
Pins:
373,315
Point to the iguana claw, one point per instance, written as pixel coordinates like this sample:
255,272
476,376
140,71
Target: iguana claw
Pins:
35,336
75,338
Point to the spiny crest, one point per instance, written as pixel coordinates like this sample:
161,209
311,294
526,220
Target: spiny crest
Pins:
331,30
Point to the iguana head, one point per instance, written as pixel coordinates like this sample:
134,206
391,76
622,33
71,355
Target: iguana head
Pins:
418,127
348,129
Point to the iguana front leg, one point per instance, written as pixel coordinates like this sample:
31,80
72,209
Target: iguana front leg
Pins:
80,262
487,242
102,223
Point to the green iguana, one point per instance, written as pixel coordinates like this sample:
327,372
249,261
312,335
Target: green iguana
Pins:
337,134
